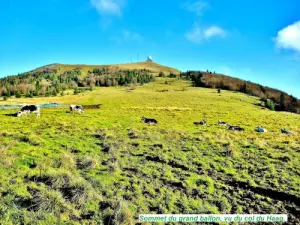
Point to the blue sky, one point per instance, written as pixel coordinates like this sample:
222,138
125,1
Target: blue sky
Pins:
251,39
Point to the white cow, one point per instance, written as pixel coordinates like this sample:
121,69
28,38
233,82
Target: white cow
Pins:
77,108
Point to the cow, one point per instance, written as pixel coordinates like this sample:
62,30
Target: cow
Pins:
237,128
202,122
27,109
221,123
149,120
285,131
77,108
260,129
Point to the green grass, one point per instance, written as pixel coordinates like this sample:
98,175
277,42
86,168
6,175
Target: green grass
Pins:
104,167
152,66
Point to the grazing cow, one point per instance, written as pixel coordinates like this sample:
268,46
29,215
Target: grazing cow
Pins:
237,128
260,129
149,120
221,123
77,108
285,131
27,109
202,122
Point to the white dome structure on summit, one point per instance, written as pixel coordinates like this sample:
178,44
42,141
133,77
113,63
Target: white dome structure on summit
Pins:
149,59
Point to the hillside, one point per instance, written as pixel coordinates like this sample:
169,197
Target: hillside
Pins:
58,79
55,79
151,66
273,99
107,167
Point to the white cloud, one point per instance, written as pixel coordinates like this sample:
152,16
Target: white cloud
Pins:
214,31
108,7
197,7
289,37
197,35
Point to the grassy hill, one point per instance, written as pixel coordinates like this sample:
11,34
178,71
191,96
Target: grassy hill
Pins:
58,79
107,167
273,99
152,66
54,79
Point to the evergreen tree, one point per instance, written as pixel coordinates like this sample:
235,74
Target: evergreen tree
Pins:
37,87
282,103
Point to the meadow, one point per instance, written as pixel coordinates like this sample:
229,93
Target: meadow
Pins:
107,167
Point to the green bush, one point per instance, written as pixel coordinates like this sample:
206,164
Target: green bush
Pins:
270,104
76,91
172,75
161,74
18,95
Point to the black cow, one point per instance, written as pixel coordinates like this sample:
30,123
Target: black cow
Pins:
221,123
285,131
237,128
202,122
149,120
27,109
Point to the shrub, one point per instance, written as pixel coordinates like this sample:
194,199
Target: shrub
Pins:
87,163
6,158
50,201
67,161
76,91
122,214
172,75
270,104
18,94
161,74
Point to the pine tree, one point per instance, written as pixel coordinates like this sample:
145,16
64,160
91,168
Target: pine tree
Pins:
282,103
37,88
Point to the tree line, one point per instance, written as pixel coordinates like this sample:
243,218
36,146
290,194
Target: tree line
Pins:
48,82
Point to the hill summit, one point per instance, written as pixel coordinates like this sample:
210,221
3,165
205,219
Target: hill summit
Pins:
55,78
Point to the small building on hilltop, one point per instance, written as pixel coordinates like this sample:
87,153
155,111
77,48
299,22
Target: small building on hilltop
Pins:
149,59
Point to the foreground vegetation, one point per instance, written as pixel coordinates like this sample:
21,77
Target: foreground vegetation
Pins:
106,167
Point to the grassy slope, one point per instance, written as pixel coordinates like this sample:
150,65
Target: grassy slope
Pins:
152,66
94,156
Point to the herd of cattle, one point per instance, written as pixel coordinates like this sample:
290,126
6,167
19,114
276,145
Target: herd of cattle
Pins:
28,109
259,129
78,108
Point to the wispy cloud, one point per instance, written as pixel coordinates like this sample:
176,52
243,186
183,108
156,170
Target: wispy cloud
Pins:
197,7
108,7
214,31
197,35
289,37
128,36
